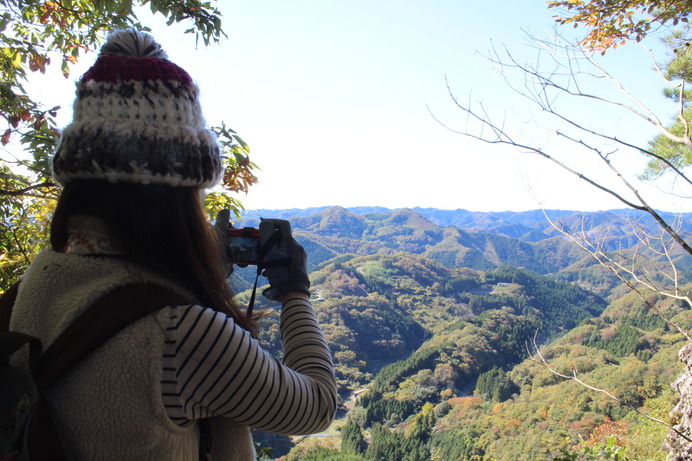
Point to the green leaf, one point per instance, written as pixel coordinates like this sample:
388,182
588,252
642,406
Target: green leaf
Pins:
5,19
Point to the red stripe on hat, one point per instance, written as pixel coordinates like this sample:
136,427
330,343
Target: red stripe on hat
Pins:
120,68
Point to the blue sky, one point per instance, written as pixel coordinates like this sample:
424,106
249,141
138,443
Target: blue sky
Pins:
335,100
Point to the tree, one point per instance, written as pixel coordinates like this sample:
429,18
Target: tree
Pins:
570,66
674,145
37,34
613,22
385,445
352,440
33,34
495,385
565,70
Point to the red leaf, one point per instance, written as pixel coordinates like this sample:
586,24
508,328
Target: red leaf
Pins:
6,137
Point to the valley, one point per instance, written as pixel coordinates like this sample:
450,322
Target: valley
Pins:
437,322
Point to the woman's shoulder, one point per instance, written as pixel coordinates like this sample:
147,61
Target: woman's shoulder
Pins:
195,330
189,317
80,278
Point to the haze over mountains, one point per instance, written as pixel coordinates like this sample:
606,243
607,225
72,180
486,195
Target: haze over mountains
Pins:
524,225
459,238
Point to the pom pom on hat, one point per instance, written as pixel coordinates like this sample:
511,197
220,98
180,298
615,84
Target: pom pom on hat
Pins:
133,44
137,119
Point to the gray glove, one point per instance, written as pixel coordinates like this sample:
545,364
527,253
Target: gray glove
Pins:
283,260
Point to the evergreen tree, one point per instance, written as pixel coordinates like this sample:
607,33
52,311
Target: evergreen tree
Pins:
385,445
352,440
328,454
495,385
416,445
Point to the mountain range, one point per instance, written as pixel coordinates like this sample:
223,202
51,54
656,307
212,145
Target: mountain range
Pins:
529,226
464,239
430,313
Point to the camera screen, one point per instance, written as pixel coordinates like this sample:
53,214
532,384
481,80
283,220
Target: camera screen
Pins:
244,249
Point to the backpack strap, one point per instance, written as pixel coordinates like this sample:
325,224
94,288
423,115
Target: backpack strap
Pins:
100,322
106,317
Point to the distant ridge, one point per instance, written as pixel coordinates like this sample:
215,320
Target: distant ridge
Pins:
529,226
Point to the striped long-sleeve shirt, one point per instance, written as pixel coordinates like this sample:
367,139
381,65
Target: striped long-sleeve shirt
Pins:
212,367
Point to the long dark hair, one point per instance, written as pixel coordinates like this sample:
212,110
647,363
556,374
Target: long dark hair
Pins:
160,228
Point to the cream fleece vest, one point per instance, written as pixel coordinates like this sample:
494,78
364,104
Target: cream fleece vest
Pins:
109,407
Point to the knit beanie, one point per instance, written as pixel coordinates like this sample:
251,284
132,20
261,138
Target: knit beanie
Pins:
137,119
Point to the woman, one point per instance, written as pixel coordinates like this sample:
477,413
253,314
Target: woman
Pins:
134,164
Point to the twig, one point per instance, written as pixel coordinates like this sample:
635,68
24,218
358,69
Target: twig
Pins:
574,377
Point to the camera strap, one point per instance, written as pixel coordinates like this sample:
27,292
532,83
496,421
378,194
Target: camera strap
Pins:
262,265
251,304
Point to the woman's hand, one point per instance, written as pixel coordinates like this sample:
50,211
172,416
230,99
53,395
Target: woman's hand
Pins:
283,260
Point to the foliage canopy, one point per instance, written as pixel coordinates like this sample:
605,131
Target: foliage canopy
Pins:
613,22
37,34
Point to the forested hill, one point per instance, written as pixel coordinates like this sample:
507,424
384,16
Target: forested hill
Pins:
429,324
483,243
335,231
524,225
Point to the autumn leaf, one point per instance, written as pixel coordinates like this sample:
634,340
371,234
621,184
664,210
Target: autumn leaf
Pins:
6,137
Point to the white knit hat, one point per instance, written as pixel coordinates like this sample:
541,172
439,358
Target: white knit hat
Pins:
137,119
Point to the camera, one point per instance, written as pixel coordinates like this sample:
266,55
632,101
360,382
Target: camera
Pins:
243,245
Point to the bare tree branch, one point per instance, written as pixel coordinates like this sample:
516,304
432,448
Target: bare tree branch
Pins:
565,70
575,377
537,84
630,275
571,53
26,190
